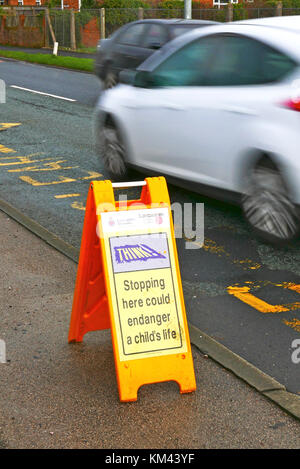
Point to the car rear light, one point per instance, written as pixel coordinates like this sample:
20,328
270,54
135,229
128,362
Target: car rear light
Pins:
293,104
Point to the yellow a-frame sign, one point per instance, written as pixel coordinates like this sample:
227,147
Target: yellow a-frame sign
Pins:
129,280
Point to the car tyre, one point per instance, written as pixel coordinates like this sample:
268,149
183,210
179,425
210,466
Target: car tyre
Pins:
110,80
267,206
113,153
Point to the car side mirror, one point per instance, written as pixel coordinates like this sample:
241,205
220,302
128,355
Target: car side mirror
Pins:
144,79
127,77
138,78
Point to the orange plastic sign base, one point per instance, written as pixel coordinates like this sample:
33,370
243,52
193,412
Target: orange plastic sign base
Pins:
128,280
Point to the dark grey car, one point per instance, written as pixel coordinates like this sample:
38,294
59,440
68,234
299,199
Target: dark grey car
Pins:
134,42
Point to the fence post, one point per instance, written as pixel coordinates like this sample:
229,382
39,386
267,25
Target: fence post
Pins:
72,30
140,13
50,25
102,23
46,34
229,12
188,9
279,9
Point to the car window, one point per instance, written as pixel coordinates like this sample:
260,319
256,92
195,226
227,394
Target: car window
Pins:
244,61
133,35
156,34
181,29
275,66
186,67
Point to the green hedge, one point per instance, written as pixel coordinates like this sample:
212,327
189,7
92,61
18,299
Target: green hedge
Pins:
171,4
126,4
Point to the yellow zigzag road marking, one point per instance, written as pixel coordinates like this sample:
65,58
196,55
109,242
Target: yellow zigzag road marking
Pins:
6,125
4,149
65,196
53,166
243,294
294,324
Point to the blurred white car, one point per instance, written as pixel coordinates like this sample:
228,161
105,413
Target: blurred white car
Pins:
218,109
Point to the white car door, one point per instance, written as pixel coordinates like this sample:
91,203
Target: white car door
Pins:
182,132
161,124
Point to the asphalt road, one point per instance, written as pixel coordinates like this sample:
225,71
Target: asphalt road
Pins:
84,88
238,290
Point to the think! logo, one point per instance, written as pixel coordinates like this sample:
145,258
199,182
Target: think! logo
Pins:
136,252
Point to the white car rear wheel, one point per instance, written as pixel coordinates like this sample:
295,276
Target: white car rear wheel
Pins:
267,206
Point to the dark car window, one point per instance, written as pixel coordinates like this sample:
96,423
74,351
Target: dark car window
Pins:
156,35
184,28
275,66
133,35
186,67
244,61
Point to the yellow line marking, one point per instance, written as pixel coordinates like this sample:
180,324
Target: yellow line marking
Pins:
78,205
92,175
22,159
53,166
292,306
294,324
6,125
35,183
292,286
242,293
14,157
4,149
64,196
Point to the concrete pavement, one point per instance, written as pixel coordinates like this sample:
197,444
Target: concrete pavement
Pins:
59,395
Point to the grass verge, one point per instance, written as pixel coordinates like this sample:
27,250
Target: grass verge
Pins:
74,63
